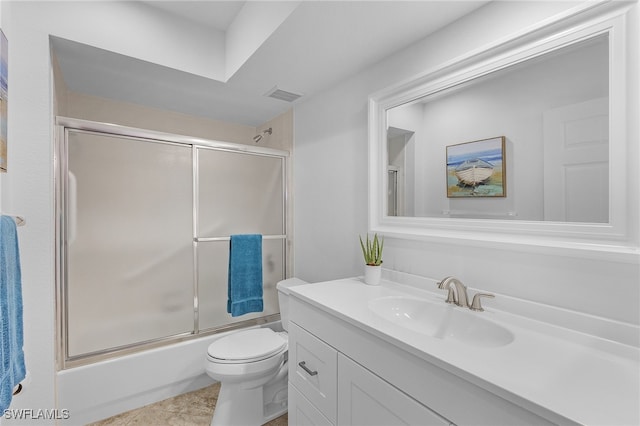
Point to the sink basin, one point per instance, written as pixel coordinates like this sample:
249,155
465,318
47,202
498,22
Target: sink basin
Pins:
442,321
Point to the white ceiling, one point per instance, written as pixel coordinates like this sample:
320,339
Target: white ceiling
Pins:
317,46
216,14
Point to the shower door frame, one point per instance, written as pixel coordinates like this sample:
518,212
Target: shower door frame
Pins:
61,167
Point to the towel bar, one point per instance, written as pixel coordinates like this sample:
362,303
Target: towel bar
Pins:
264,237
19,219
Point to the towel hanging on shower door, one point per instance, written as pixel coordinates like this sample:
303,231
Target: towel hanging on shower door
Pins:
245,275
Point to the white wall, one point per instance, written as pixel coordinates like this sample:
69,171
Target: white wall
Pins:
331,142
1,26
3,4
27,190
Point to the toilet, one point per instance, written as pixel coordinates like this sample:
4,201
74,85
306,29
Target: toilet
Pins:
251,366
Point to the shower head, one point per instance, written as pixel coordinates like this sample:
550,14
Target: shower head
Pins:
258,138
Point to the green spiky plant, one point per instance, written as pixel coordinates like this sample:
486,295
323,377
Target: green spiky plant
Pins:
372,250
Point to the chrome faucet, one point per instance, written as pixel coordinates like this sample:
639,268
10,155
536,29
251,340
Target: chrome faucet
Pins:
458,294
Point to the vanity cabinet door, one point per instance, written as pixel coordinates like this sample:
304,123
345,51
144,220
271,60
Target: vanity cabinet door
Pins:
366,399
313,369
302,412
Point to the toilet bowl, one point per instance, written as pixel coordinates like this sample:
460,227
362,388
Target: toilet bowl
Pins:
251,366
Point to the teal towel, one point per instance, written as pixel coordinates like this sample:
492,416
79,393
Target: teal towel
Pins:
245,275
12,368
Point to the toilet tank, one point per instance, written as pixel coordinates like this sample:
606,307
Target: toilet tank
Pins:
283,298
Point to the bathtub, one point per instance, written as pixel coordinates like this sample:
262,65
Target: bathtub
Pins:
103,389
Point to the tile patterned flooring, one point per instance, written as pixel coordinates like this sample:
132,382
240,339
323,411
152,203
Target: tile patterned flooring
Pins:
189,409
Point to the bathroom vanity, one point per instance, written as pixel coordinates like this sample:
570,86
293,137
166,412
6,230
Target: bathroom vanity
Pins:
398,354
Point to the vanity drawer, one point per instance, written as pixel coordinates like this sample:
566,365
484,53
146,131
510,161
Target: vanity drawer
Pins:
313,370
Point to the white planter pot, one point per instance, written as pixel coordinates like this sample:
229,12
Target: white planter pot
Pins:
372,274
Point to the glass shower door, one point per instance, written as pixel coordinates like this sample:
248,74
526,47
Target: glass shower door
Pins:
129,241
237,193
144,221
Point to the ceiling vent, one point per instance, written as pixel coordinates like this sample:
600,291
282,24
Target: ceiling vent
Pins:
283,95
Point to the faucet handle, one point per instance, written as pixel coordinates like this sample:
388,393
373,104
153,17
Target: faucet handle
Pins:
476,305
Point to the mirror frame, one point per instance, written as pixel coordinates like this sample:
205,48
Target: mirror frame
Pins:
617,238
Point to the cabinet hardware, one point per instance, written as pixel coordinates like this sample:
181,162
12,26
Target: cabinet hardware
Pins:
303,365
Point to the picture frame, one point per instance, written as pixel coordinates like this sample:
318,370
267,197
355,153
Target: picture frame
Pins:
477,169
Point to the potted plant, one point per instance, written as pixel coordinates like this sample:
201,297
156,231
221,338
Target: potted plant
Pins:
372,252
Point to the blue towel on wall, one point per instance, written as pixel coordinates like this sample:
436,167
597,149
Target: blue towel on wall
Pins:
245,275
12,368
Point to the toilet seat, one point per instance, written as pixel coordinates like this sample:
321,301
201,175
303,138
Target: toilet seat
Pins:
247,346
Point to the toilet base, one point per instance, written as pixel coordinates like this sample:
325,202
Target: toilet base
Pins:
238,406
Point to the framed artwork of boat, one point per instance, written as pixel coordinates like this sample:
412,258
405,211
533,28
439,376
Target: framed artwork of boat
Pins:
477,169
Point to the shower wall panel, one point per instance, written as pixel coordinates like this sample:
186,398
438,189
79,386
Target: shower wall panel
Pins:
130,256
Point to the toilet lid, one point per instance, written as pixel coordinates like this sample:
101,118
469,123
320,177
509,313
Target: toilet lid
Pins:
247,346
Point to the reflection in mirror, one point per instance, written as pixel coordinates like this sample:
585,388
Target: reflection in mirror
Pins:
553,112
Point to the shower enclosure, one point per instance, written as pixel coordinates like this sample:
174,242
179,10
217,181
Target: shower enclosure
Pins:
143,227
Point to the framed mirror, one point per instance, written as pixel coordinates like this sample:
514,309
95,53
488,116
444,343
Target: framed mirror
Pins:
522,143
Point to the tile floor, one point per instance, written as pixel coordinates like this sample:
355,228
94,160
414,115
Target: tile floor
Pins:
189,409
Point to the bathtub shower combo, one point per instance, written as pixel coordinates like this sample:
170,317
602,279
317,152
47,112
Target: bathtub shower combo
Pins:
143,227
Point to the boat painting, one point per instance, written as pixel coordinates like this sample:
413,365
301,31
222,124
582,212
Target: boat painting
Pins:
474,172
476,169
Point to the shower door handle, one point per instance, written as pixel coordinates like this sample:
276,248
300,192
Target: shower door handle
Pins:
72,206
303,365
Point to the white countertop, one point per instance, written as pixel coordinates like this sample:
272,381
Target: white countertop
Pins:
583,378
